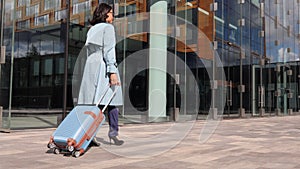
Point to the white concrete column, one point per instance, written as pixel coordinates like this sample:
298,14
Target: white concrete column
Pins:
158,60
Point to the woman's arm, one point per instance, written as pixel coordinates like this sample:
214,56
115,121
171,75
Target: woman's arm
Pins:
110,53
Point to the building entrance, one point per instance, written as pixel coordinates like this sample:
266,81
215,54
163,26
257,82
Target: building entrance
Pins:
232,71
272,92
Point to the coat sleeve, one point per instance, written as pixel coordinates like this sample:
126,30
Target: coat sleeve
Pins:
109,43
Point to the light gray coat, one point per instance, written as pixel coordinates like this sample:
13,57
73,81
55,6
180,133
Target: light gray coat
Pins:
101,60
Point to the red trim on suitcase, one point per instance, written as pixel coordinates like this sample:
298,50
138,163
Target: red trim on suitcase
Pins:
91,130
91,113
71,142
51,139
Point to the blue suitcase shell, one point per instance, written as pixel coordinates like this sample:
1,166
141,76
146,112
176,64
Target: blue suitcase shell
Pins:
77,130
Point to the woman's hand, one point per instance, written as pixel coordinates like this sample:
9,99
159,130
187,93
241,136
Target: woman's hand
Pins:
113,79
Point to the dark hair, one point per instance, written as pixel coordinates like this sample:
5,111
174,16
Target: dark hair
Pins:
100,14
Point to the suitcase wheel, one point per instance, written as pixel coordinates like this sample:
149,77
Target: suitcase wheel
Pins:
70,148
76,154
51,145
56,151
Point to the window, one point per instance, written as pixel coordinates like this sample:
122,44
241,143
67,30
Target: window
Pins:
23,24
48,65
32,10
18,14
50,4
59,65
41,20
59,15
36,68
255,2
23,2
81,7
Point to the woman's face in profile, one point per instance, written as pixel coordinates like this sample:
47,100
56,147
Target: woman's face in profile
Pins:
110,18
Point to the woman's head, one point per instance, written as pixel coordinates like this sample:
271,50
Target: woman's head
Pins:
102,14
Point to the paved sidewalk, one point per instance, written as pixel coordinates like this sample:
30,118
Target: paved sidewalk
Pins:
255,143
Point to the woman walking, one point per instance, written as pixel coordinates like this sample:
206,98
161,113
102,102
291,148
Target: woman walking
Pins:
101,69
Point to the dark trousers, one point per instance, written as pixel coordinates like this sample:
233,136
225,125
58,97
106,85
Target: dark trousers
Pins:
113,119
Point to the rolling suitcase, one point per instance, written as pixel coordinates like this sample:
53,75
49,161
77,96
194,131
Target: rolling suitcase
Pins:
78,129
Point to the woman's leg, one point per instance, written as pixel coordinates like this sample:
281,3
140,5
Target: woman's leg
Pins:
113,120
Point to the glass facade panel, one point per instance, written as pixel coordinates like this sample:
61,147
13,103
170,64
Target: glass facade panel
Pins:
256,41
7,29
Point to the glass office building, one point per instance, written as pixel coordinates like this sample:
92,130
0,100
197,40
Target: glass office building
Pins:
229,58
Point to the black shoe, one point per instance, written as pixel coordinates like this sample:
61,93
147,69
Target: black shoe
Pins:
116,140
94,142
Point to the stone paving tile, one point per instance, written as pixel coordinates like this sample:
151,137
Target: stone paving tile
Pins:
255,143
276,165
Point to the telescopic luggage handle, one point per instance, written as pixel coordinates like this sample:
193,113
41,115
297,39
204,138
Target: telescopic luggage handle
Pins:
111,97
